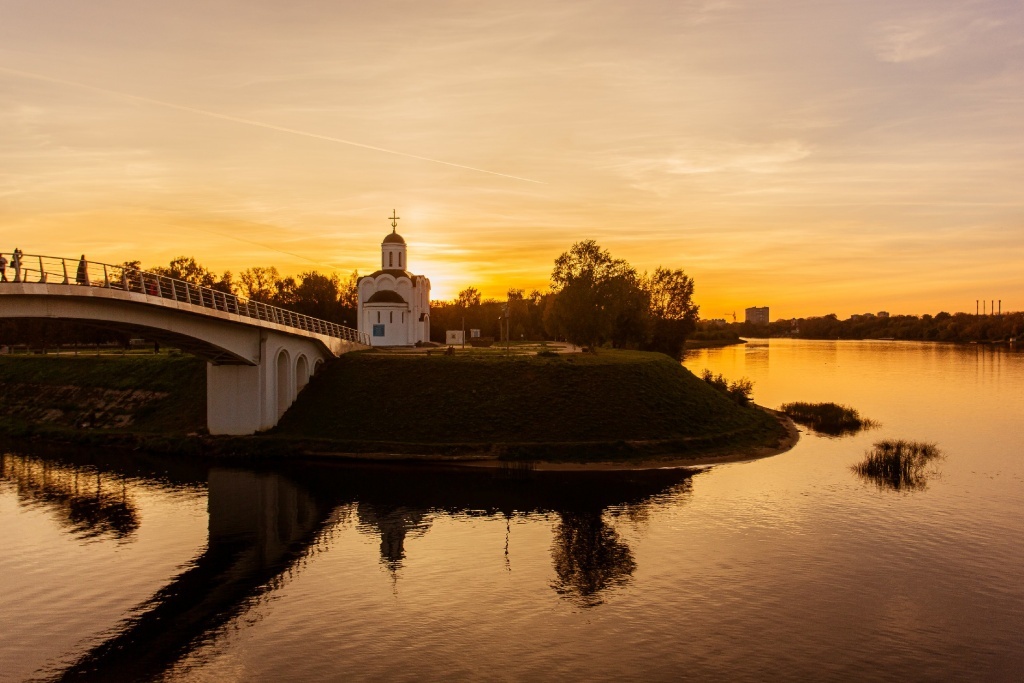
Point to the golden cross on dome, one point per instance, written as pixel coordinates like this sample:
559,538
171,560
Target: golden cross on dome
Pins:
394,220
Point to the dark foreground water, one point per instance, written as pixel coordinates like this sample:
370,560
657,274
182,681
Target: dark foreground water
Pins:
789,568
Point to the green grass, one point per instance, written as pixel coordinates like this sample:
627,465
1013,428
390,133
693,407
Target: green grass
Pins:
898,464
29,385
828,418
610,405
612,398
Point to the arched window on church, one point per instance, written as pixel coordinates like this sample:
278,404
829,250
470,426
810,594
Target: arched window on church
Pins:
399,259
403,316
378,316
391,316
391,258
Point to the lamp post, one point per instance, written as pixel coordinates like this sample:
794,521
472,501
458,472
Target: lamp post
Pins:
508,329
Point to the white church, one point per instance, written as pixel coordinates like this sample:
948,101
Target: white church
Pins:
394,304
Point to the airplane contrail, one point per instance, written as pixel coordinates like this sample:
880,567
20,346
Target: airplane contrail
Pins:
228,235
332,266
258,124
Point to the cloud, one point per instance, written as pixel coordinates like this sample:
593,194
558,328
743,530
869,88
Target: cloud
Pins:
745,158
927,35
661,174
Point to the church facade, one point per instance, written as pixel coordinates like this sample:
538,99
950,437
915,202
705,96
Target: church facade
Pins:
394,304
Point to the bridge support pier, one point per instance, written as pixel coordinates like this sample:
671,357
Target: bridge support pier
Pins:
236,396
245,399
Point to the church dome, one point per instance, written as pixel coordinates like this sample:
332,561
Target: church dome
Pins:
393,238
386,296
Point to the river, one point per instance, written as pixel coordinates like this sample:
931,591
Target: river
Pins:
125,566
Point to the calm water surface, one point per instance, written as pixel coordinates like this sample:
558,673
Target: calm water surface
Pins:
792,567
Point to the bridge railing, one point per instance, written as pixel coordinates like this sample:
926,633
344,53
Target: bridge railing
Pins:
34,268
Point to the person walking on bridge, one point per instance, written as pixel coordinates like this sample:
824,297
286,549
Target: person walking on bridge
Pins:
16,264
3,268
82,276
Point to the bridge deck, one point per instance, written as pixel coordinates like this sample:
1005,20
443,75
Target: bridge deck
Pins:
35,275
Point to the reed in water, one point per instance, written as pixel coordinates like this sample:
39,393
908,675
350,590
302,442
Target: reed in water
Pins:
898,464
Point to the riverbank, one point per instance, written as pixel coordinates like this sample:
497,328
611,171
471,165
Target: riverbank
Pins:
70,395
674,457
626,409
610,406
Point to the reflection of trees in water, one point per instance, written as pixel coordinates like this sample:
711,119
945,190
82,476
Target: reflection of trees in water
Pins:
588,557
87,501
265,522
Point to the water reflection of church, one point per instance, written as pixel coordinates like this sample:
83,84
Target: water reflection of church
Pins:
393,525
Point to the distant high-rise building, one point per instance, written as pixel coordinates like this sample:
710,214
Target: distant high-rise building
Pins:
757,315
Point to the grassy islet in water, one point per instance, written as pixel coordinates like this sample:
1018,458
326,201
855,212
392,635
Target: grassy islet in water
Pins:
827,418
898,464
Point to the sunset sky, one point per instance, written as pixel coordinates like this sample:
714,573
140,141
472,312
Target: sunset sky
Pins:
815,156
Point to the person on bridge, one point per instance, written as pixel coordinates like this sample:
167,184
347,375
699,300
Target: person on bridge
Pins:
3,268
16,264
82,277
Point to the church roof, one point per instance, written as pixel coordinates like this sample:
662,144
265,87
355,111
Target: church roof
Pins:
393,238
386,296
393,272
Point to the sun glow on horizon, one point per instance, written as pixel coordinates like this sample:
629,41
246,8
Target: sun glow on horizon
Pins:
855,157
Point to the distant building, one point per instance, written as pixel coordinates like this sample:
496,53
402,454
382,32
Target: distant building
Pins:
883,314
717,322
757,315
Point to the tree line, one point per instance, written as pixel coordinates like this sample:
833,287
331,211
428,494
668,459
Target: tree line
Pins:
594,300
328,297
312,293
943,326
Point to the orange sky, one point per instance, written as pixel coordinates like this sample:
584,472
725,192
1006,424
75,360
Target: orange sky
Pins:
815,156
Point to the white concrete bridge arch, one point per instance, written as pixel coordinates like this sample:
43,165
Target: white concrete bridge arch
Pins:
259,357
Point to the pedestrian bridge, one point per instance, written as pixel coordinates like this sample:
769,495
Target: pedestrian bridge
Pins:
258,356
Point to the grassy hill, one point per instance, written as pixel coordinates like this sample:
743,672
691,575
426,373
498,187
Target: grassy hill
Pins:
148,394
521,406
611,406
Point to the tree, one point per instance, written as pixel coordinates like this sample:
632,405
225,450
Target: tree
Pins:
258,283
674,315
349,294
226,283
187,269
284,292
595,297
317,295
671,293
468,298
